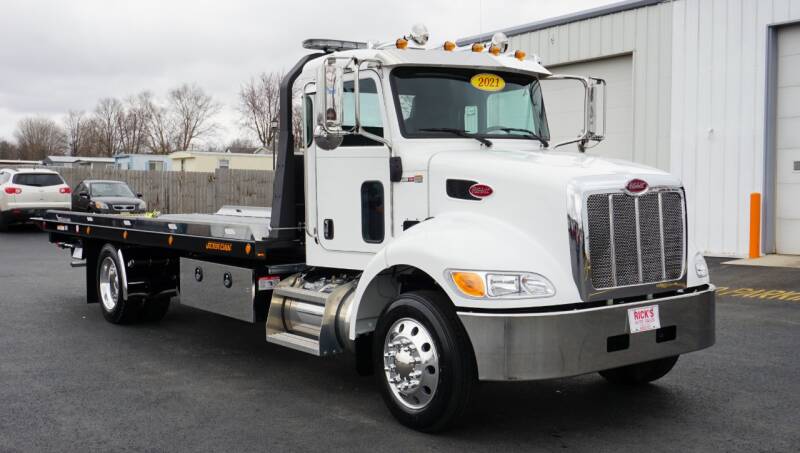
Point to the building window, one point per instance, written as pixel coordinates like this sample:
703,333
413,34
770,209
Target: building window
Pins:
155,165
224,163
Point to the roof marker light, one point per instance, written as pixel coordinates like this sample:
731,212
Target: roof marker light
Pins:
520,55
401,43
494,50
449,46
477,47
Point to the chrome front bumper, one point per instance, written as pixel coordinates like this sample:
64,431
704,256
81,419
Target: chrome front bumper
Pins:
532,346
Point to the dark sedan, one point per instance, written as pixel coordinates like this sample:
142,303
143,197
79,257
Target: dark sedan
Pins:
106,197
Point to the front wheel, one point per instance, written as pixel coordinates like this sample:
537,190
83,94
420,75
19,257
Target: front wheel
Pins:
640,373
429,369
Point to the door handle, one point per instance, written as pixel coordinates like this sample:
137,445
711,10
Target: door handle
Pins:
327,228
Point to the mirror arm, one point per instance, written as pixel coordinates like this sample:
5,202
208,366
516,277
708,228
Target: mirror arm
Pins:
357,101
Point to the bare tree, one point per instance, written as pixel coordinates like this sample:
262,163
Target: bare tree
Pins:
133,123
160,125
75,125
38,138
193,111
259,101
107,115
8,150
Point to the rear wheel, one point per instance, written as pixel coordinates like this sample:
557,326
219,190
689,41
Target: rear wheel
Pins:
428,367
640,373
116,309
3,224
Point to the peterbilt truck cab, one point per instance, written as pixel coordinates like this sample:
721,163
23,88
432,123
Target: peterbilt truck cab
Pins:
427,225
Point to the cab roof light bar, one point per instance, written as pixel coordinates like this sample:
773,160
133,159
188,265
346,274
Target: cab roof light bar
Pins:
333,45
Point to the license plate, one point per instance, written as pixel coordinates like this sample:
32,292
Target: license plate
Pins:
642,319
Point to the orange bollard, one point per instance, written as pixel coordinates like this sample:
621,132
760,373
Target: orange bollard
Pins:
755,225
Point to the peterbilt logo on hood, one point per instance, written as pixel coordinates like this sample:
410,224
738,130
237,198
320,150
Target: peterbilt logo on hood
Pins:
636,186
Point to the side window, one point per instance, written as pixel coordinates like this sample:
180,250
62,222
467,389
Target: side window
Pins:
372,212
371,113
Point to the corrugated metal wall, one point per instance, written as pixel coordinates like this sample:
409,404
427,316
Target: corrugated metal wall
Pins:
718,102
647,34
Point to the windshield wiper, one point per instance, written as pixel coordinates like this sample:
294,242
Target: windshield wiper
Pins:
459,132
527,132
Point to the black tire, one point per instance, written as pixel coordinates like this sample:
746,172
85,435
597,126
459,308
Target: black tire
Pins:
640,373
456,376
122,311
154,309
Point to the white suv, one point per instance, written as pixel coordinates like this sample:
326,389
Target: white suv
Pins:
26,193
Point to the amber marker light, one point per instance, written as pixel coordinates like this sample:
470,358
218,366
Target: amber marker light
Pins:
401,43
248,248
124,235
449,46
477,47
170,240
469,283
520,55
494,50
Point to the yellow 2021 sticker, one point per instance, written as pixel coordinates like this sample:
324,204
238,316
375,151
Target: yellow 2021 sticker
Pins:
487,82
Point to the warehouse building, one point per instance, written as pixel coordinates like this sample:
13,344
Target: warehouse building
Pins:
706,89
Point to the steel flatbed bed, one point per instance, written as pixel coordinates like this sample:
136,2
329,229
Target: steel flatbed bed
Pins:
234,233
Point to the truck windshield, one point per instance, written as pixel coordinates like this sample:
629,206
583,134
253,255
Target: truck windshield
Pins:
434,102
111,189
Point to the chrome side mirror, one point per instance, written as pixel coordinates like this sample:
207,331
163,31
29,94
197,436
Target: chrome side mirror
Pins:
593,88
328,132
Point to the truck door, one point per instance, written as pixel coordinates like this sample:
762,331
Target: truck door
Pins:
352,186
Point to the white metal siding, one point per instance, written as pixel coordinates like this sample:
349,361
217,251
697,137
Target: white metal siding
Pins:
718,92
787,141
646,33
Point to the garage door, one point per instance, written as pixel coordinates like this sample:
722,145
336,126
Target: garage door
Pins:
564,104
787,142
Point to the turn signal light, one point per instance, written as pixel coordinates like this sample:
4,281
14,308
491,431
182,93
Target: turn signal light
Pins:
494,50
13,190
519,55
65,190
469,283
449,46
477,47
401,43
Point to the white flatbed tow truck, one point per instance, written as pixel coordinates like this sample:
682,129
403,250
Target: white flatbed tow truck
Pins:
427,226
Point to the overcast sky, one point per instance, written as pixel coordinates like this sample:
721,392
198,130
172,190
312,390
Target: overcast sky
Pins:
59,55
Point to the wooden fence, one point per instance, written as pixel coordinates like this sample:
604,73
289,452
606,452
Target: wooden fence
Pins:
181,192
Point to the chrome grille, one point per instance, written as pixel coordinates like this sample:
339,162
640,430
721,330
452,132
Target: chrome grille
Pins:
634,240
124,207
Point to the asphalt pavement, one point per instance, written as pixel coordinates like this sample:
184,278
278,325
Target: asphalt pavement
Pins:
70,381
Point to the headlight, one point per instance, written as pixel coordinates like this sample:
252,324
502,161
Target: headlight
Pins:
700,266
142,205
100,205
501,285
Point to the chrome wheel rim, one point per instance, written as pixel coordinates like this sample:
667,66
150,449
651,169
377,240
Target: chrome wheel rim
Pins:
411,363
109,284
